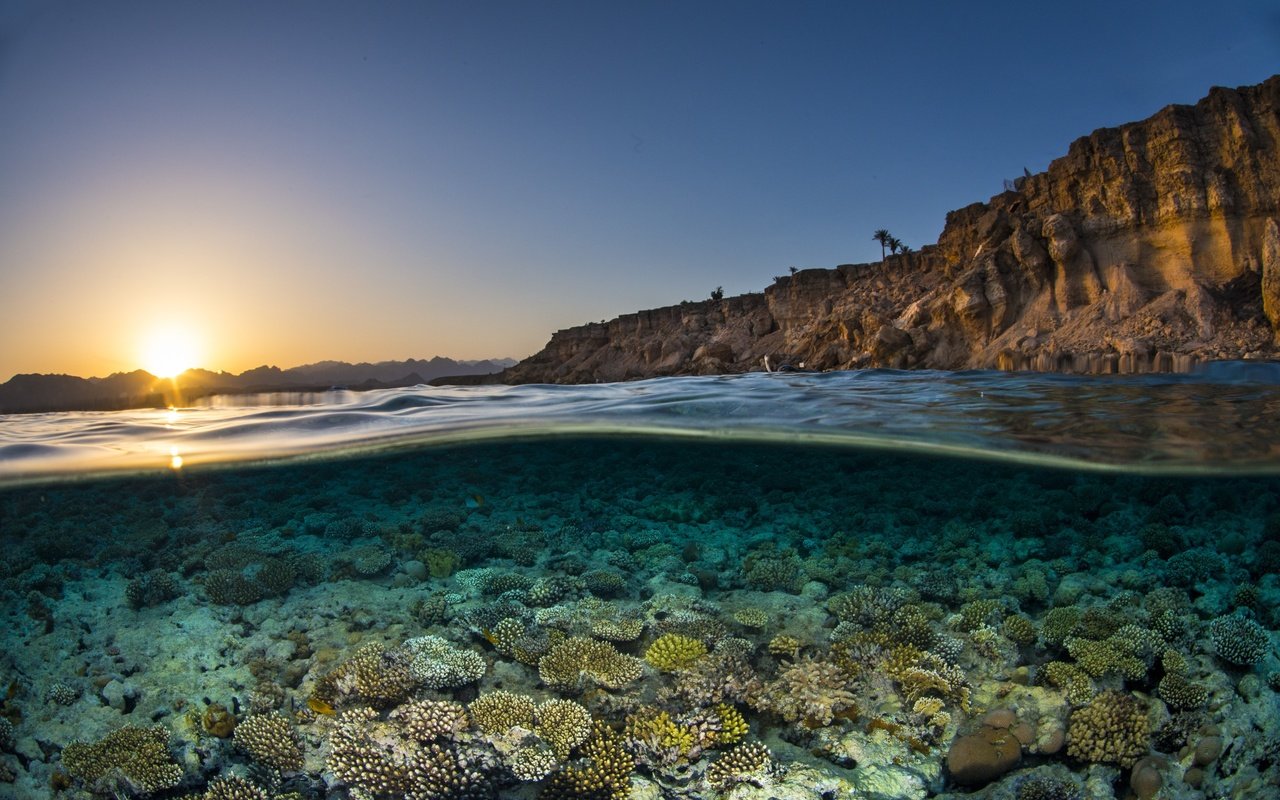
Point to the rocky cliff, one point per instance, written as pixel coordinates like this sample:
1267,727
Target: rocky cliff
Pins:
1148,247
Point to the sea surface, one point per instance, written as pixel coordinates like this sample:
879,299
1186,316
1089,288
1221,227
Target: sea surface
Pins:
868,584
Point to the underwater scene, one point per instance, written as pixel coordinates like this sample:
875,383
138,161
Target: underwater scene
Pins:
874,585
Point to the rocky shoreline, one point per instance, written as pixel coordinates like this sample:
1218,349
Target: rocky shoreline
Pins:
1150,247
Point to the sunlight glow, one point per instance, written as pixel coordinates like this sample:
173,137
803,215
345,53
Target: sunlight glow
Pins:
169,351
175,459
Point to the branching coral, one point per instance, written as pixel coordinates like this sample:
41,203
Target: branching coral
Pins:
380,677
577,660
233,787
1239,640
671,651
810,692
603,774
1181,693
131,758
725,676
1112,729
151,588
382,760
1072,680
563,724
747,762
497,712
437,664
271,740
428,720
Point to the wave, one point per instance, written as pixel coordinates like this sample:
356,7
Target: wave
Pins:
1220,419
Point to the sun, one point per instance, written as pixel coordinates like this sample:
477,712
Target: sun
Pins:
170,350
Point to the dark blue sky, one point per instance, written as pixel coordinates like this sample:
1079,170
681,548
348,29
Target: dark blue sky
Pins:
297,181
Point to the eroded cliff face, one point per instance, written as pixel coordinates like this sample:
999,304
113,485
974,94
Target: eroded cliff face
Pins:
1148,247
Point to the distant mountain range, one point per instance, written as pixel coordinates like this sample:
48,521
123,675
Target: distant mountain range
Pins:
140,389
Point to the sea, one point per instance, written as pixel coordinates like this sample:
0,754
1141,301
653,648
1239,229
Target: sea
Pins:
872,584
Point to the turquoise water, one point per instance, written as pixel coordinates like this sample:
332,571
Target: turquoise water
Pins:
798,586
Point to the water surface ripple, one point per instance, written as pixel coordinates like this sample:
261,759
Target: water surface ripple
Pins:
1221,419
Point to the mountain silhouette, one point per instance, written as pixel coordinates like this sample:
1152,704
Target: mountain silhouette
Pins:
30,393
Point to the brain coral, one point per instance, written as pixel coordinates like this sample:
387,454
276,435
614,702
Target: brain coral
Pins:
1239,640
127,759
270,740
1112,729
571,661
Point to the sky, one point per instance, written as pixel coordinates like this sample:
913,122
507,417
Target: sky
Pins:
247,183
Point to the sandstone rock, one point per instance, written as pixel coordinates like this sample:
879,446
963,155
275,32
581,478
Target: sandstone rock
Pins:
1271,274
1146,247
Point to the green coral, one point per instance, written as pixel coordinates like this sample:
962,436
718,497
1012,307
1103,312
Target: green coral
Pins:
1072,680
440,561
1098,658
1181,693
974,614
1019,629
1059,623
672,651
132,758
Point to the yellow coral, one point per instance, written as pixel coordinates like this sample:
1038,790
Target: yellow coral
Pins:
927,706
499,711
440,561
751,618
604,774
672,651
563,724
733,726
574,660
784,645
656,727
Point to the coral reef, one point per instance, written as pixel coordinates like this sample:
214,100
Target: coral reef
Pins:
1111,729
577,661
271,740
129,759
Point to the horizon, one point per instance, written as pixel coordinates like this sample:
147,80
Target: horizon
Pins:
265,366
239,185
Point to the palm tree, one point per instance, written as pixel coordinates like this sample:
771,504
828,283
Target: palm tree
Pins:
904,249
882,236
895,244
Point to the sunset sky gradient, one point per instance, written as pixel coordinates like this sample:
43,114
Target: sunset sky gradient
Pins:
290,182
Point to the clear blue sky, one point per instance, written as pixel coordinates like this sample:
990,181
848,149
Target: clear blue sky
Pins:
287,182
